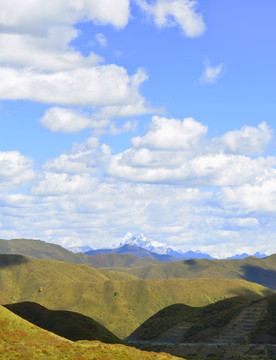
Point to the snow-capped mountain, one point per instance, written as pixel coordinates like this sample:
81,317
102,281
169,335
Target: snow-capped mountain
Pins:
145,243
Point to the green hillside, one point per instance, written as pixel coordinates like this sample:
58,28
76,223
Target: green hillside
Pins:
42,250
68,324
260,271
21,340
116,300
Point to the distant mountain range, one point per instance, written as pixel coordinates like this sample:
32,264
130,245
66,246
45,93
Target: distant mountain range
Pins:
141,246
133,250
245,255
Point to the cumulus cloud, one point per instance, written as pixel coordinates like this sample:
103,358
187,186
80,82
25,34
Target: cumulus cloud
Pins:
176,12
15,170
69,121
211,74
49,53
248,141
171,134
177,152
96,86
257,197
38,62
35,17
53,184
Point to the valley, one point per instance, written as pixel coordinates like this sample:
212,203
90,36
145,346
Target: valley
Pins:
199,300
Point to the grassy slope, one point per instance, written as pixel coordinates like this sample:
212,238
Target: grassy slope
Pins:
43,250
121,303
21,340
261,271
68,324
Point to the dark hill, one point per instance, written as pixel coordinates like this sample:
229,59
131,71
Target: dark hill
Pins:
234,320
68,324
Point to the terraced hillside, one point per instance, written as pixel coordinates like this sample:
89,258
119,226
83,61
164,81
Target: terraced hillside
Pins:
231,321
118,301
22,340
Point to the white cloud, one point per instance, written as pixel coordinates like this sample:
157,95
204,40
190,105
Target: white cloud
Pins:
15,170
257,197
35,17
102,40
50,53
176,12
83,159
175,152
101,85
171,134
69,121
211,74
249,140
56,184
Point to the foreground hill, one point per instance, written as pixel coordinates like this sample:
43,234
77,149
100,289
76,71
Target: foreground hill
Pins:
119,301
260,271
68,324
235,320
22,340
42,250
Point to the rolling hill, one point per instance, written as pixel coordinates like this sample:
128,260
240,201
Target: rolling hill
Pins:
23,340
260,271
119,301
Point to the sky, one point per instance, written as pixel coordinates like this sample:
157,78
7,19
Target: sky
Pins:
140,116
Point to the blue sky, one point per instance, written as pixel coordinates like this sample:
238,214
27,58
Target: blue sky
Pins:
139,116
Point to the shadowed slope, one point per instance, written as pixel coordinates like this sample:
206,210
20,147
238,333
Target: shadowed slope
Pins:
68,324
22,340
